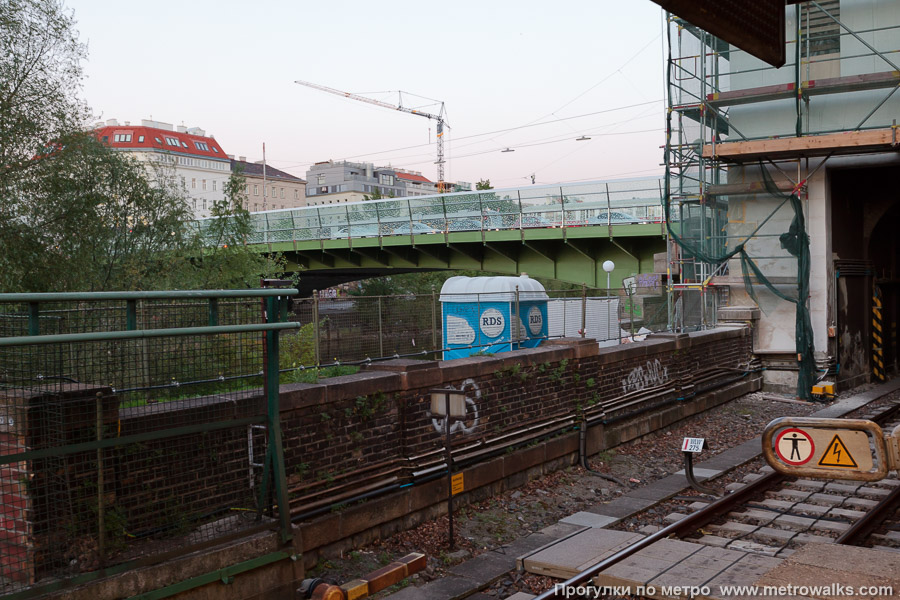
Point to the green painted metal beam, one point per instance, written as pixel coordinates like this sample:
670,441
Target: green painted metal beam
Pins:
166,295
65,338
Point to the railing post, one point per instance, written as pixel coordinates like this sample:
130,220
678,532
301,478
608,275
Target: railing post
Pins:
434,338
316,325
518,321
274,448
380,332
583,309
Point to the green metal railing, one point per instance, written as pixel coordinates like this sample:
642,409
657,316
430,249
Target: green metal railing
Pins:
134,427
605,203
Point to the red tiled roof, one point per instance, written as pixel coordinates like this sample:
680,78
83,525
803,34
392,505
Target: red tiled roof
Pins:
411,177
155,139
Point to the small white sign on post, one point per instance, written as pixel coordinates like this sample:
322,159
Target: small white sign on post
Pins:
694,445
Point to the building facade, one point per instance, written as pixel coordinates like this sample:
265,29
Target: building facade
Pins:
793,172
269,188
335,182
194,160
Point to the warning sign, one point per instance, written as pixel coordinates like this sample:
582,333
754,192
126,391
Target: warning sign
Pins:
837,455
794,446
458,486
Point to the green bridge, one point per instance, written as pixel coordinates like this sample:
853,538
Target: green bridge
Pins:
562,232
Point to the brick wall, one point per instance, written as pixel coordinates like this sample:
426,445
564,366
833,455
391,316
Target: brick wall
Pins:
349,435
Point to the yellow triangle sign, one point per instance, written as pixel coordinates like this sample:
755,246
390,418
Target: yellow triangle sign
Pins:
836,455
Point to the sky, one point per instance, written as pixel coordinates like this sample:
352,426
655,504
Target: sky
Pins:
528,76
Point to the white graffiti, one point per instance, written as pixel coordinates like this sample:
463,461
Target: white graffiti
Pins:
470,423
653,373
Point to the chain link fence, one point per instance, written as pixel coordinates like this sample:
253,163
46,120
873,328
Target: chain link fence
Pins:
103,397
358,329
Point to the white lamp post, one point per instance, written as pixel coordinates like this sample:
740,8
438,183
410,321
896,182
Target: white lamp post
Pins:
608,266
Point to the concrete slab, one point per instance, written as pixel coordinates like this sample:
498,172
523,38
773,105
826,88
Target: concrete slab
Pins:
446,588
622,507
520,596
818,565
588,519
699,473
561,530
524,545
571,556
745,571
485,568
633,571
520,558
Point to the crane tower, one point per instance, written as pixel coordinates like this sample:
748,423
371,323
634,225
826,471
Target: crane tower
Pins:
438,118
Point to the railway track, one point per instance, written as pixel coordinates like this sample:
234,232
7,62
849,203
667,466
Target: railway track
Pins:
772,514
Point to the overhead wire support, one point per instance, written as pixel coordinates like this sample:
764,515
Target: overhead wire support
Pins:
438,118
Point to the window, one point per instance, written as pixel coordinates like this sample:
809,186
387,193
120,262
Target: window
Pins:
255,191
214,185
204,185
296,194
248,189
202,146
204,204
140,139
386,179
282,195
322,179
105,138
183,144
158,141
255,206
195,204
172,141
122,137
216,150
193,183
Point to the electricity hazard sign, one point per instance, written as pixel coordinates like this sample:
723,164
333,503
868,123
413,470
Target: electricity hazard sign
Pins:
794,446
826,448
837,455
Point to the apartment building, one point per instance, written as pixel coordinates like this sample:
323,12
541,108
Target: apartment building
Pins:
268,188
334,182
194,159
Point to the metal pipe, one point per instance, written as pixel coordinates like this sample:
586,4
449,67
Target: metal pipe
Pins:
65,338
154,295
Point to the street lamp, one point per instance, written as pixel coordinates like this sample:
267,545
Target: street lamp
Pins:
608,266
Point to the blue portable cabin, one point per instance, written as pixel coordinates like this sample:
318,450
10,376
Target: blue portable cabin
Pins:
479,314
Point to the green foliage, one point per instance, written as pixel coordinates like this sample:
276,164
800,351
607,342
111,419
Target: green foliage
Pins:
484,184
315,374
80,215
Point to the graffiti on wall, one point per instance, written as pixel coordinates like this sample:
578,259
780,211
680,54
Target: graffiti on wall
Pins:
647,375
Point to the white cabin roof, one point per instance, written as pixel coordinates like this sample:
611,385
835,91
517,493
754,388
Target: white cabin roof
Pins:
486,289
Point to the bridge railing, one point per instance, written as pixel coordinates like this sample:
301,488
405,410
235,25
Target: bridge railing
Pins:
135,426
606,203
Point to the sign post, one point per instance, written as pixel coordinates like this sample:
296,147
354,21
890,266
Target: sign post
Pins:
450,404
689,447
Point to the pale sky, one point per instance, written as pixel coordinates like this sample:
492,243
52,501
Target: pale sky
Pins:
551,71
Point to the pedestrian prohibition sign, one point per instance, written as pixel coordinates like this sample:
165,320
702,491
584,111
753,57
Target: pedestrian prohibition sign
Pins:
854,449
794,446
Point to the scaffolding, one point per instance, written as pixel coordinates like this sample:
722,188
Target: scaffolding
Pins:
744,139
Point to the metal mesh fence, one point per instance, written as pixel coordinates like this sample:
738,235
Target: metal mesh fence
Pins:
101,403
357,329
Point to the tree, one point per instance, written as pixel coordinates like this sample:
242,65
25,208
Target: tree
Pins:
484,184
225,260
75,214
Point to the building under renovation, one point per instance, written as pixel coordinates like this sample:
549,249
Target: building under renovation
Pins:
783,189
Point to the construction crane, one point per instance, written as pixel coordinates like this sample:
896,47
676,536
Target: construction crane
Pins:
439,118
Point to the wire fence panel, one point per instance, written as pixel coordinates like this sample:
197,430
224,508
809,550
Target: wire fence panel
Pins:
121,450
359,329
